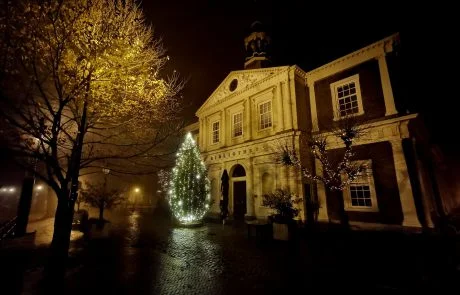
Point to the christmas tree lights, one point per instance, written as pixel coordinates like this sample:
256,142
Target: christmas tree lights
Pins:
189,189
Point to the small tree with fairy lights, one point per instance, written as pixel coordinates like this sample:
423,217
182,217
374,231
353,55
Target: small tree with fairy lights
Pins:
189,194
335,175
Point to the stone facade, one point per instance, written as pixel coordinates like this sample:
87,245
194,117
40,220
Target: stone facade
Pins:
248,138
254,110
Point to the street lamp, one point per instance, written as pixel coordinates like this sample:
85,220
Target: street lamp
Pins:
136,195
106,172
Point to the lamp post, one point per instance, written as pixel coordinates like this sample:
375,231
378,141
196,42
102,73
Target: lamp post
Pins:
136,195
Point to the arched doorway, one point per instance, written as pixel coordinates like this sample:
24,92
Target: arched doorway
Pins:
239,192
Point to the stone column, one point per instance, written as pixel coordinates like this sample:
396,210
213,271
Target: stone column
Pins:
405,189
223,127
321,191
205,135
249,120
200,135
279,102
424,184
293,98
287,106
390,108
313,111
249,191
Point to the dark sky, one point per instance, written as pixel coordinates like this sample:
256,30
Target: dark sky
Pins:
204,38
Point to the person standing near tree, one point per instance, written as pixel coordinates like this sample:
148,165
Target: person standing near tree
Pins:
224,196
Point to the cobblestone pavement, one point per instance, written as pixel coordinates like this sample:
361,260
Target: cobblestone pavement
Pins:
146,254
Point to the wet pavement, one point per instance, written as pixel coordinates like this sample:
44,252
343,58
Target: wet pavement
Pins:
144,253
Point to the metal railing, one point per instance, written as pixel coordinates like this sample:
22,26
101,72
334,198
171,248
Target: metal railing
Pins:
7,229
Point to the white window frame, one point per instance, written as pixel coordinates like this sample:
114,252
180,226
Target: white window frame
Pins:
369,176
213,131
335,97
260,115
233,124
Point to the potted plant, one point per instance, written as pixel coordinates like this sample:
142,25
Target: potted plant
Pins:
282,202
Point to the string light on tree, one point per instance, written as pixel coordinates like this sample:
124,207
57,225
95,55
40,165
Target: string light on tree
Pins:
189,194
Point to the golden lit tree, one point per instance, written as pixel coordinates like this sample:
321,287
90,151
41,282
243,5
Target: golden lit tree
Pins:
82,88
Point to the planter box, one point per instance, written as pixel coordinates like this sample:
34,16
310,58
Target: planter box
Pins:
281,231
97,232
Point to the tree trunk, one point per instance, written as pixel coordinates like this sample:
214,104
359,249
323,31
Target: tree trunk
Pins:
101,214
61,236
342,213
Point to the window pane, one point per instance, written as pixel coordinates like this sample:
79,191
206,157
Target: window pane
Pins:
238,124
265,115
360,195
215,132
346,99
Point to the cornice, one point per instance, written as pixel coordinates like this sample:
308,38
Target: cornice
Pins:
299,72
384,130
386,45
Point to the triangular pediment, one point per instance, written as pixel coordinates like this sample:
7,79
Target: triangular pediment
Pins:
245,79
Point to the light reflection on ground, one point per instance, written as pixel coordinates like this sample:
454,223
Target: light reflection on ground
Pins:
76,235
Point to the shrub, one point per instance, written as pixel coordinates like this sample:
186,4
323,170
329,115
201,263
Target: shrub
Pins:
282,201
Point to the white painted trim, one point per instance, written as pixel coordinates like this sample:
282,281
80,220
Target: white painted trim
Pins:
357,57
313,110
335,96
404,185
390,107
253,59
384,130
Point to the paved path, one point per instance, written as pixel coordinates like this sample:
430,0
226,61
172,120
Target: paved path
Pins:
146,254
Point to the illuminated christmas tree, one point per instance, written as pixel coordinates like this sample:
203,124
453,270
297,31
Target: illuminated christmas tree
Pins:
189,194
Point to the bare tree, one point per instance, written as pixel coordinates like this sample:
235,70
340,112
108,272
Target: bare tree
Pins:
99,196
335,175
82,88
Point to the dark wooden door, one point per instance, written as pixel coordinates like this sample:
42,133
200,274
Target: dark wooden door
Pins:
239,200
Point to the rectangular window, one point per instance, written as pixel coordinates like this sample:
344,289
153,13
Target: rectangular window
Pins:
237,124
215,132
265,113
360,194
346,97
